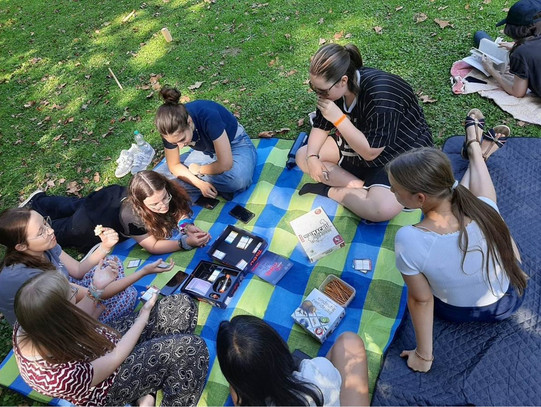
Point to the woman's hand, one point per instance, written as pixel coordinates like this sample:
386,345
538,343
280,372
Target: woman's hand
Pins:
415,363
144,312
105,273
109,237
159,266
329,109
197,237
487,64
317,170
207,189
507,45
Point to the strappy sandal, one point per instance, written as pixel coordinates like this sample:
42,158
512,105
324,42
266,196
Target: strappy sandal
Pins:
479,121
496,141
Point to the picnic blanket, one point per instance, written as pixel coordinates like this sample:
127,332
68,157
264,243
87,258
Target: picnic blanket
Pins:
375,313
484,363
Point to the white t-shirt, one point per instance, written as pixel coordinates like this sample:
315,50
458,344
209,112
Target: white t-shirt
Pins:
321,372
439,258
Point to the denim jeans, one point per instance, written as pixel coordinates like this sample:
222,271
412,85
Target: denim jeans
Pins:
228,183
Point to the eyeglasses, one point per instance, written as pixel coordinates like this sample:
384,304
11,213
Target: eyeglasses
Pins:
44,230
165,200
74,291
323,92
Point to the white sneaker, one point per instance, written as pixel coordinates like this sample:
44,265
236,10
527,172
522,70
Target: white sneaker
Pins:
141,161
125,162
27,201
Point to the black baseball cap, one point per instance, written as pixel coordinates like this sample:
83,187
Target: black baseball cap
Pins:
523,13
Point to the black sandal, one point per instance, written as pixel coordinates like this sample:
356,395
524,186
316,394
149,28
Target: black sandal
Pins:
498,141
471,121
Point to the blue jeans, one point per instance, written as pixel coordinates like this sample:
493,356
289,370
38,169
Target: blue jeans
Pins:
228,183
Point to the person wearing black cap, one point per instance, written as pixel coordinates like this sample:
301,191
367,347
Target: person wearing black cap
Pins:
523,24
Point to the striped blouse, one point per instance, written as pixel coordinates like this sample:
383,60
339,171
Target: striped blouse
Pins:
387,112
70,381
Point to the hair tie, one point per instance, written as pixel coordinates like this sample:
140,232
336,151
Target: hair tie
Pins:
455,184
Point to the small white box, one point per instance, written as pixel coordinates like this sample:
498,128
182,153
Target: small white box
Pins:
317,234
318,315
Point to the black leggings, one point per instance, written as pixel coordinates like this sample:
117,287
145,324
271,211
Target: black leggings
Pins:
74,219
167,356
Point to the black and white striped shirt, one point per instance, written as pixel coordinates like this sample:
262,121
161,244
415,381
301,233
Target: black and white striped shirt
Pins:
387,112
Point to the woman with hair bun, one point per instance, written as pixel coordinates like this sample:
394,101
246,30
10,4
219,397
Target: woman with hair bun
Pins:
460,262
223,158
376,116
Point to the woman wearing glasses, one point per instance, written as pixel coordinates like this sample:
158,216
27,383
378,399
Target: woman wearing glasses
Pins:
222,159
31,248
375,115
149,210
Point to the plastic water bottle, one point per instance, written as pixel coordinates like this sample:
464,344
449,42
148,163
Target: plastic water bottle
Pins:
143,153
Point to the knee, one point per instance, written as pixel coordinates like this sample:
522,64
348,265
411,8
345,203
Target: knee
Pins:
349,341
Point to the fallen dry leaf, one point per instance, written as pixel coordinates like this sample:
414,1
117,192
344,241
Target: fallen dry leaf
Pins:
378,29
266,134
96,177
339,35
196,85
399,8
443,23
300,122
322,41
420,17
426,99
29,104
73,188
520,123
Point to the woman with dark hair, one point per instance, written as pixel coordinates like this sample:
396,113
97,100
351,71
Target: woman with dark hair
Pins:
148,211
223,158
260,370
63,352
31,248
523,25
460,262
376,116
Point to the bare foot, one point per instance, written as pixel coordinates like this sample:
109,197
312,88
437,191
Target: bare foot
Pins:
146,401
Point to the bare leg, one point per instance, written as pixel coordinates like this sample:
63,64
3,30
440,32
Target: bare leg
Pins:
329,157
377,204
477,178
349,357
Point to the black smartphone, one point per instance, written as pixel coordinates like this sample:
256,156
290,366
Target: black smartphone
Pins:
241,213
208,203
174,283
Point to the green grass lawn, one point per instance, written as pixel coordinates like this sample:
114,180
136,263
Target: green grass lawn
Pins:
64,120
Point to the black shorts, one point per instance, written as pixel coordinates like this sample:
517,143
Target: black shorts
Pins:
352,163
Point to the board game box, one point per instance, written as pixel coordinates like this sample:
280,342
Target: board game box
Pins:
317,234
318,315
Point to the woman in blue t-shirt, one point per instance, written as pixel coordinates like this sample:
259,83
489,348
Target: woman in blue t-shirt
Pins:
223,157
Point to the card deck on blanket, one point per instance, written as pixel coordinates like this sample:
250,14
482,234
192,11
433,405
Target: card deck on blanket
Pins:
238,248
317,234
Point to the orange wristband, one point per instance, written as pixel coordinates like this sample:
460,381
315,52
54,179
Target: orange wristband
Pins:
340,120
